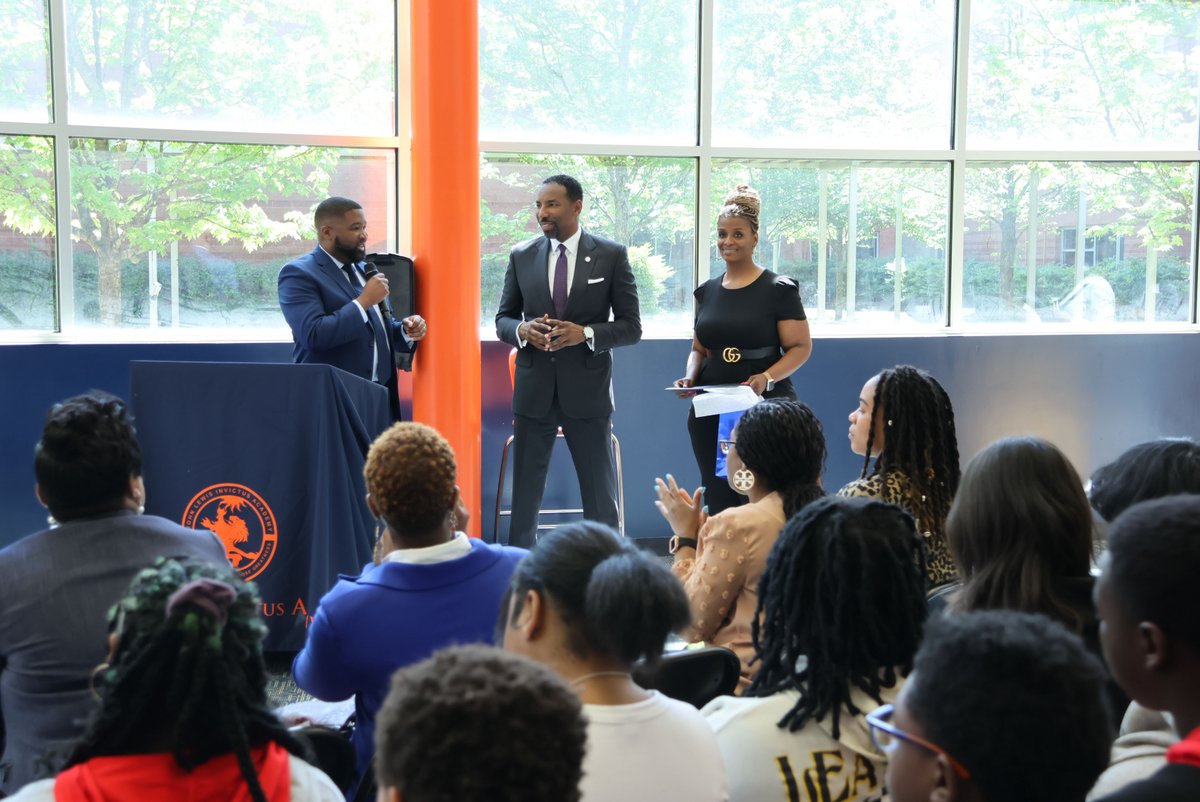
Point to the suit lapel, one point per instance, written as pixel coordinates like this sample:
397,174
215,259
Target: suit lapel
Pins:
541,298
333,273
584,261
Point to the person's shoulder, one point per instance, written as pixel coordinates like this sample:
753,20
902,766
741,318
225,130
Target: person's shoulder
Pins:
732,712
780,283
39,791
527,246
866,487
304,263
1174,782
310,784
599,242
512,554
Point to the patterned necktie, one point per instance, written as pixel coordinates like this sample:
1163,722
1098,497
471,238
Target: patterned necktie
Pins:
560,283
350,272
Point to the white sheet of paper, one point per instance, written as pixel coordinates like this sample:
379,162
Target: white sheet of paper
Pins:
732,400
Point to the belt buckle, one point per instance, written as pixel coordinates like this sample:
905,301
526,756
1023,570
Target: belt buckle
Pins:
731,355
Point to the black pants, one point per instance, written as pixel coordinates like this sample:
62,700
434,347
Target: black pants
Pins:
590,442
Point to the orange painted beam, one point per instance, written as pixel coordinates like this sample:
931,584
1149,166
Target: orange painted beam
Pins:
445,213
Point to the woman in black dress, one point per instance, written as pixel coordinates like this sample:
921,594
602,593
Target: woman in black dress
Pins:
749,328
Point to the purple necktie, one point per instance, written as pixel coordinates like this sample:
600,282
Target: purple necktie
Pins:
560,283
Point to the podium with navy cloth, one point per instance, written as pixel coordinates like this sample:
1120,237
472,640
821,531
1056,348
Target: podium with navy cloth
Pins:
268,457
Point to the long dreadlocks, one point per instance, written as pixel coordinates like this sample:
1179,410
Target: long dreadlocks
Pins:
183,680
915,413
841,605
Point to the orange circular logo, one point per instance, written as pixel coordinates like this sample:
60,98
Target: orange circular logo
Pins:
243,522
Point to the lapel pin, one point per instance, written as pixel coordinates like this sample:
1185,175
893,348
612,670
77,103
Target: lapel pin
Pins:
587,258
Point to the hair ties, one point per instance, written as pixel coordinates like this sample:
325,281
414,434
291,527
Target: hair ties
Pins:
207,594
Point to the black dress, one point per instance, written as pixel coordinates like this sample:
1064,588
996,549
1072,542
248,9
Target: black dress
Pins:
733,325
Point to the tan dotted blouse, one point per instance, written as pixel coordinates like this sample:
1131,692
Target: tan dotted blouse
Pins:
722,578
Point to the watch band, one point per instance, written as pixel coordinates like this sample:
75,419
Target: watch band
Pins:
676,543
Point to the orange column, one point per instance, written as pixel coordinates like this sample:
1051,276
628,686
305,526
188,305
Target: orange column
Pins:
445,214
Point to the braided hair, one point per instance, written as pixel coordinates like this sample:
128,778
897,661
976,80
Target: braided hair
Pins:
841,605
915,411
745,203
181,678
782,441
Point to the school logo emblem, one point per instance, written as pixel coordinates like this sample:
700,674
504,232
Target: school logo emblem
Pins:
243,522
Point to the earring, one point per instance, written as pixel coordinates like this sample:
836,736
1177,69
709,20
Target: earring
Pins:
51,521
92,680
743,480
454,522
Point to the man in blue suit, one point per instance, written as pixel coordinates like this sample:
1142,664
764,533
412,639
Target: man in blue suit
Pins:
569,298
338,315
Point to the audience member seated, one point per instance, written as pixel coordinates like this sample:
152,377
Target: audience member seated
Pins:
1021,533
183,712
905,420
1146,471
774,456
830,652
1001,706
475,724
432,586
1146,597
56,585
588,604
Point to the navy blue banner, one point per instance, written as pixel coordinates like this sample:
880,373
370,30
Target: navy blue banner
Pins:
269,458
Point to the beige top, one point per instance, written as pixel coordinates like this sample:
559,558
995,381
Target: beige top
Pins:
722,578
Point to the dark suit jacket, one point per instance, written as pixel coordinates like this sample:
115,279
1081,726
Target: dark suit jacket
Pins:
56,587
603,286
327,326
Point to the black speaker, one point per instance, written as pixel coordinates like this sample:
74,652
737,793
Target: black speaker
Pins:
402,291
402,282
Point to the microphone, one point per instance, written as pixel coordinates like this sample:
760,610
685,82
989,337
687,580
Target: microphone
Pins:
369,269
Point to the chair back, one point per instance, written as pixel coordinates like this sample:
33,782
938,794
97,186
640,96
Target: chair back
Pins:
695,676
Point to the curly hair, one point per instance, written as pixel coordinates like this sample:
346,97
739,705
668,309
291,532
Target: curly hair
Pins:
743,202
844,587
1019,522
781,440
474,723
915,411
183,678
1028,717
87,455
410,475
1146,471
616,600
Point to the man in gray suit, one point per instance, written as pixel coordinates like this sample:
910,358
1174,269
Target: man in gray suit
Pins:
56,586
569,298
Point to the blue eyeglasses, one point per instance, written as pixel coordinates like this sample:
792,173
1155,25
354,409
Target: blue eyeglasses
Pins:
887,737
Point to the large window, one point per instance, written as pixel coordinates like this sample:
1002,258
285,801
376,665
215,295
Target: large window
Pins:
924,164
108,226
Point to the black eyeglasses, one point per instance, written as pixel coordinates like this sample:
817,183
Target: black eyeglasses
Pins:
726,445
887,737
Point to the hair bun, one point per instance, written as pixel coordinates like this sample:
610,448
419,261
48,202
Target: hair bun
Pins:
746,197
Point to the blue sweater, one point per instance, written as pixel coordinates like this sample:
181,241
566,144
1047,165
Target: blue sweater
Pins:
393,615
